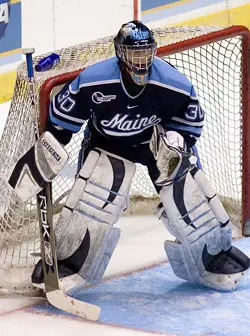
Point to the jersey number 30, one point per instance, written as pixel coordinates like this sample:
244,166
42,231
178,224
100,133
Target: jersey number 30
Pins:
66,103
194,112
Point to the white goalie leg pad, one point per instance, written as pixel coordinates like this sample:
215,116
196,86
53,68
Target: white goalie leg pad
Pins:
195,216
84,232
216,206
38,166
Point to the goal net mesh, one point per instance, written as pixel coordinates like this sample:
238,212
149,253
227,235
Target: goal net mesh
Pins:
215,69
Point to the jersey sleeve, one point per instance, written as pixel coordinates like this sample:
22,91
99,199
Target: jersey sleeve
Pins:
189,121
68,109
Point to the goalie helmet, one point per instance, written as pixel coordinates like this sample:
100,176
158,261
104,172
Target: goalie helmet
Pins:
135,47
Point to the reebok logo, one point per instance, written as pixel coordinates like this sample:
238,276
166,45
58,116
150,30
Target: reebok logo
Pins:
131,107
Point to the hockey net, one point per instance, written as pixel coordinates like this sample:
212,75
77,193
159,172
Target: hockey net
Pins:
216,61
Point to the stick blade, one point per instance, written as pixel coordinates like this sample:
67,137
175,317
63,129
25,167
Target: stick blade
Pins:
60,300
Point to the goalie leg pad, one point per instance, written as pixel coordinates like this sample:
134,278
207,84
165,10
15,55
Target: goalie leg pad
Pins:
185,266
85,237
101,260
195,216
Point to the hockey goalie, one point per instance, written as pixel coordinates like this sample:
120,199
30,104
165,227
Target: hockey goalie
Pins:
139,109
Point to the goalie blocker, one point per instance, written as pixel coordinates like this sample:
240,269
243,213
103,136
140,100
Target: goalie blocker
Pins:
190,209
39,165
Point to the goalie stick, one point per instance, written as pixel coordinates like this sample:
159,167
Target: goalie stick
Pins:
54,294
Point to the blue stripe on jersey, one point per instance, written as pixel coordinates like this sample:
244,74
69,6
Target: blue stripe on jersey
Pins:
165,74
195,151
64,124
107,70
191,129
193,93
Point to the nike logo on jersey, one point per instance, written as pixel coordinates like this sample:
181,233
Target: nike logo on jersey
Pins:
131,107
122,125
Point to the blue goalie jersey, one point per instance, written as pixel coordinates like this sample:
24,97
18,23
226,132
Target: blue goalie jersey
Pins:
99,95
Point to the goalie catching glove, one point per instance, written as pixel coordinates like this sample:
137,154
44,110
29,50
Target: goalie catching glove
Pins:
172,158
191,211
38,166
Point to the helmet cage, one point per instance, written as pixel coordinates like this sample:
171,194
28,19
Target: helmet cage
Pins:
138,58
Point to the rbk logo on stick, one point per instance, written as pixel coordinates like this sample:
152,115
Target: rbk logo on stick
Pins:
46,233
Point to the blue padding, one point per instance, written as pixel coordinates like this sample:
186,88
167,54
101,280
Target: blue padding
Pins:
64,124
191,129
11,39
11,58
182,7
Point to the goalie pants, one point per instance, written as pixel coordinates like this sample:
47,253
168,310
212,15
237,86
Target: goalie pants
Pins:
137,154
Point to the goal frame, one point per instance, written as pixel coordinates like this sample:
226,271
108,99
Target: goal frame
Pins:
181,46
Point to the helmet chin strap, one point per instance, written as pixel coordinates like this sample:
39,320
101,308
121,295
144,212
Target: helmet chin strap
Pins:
139,79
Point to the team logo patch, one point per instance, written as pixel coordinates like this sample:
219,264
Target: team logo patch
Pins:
132,31
99,98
